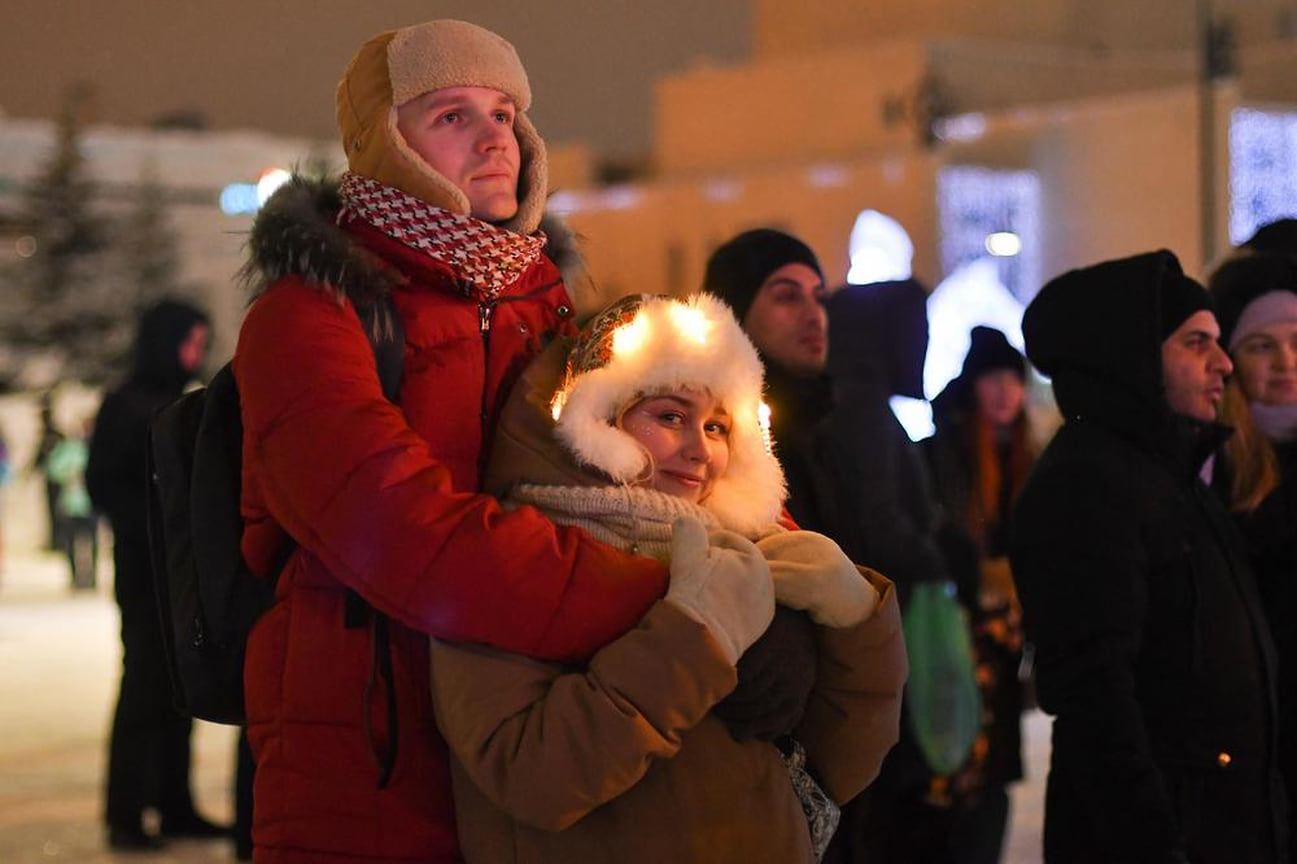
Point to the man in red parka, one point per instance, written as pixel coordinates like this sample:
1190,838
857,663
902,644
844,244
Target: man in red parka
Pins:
393,541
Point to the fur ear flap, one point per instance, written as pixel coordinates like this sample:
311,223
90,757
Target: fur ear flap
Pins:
748,497
584,428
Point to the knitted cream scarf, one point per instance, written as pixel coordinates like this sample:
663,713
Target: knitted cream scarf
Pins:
631,518
486,259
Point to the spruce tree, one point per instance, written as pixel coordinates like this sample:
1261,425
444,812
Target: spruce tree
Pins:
51,318
69,310
147,245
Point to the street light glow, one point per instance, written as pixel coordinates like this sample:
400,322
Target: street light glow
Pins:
1003,244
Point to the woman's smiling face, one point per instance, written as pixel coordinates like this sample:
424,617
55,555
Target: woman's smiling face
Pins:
686,432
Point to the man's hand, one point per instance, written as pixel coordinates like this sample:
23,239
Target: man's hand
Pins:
775,678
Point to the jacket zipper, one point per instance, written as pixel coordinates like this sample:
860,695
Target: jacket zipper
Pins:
484,312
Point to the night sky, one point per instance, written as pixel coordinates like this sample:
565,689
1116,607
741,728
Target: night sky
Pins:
273,64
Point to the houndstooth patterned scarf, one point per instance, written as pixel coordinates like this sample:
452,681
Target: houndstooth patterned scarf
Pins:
486,259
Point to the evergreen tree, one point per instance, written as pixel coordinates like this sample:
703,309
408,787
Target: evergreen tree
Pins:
147,245
69,311
51,317
67,232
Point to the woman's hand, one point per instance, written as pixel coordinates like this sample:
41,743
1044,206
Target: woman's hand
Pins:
723,581
813,574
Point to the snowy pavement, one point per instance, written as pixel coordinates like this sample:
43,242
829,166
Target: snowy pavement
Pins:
60,658
59,667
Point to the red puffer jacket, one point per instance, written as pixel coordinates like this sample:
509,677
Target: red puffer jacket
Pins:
382,500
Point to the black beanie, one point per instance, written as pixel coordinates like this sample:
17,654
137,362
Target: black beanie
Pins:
737,269
988,351
1278,236
1181,298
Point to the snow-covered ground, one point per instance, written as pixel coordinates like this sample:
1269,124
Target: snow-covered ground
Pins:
59,665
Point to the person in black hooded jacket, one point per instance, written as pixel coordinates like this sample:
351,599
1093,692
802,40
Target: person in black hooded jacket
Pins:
148,757
1152,651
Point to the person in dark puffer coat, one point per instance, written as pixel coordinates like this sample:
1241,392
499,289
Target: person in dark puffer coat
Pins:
1152,650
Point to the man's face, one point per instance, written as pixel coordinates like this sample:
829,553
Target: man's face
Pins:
193,351
466,135
787,321
1194,367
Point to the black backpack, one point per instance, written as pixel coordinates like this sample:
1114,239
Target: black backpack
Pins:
208,599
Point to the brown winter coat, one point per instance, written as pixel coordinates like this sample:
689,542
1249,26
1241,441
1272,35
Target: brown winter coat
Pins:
620,760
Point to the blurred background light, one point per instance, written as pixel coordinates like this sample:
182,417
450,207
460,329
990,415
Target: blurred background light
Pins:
239,198
1263,169
271,179
880,249
1003,244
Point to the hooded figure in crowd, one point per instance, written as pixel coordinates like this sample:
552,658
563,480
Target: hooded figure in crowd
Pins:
393,541
658,444
980,456
1152,650
878,339
148,756
1255,471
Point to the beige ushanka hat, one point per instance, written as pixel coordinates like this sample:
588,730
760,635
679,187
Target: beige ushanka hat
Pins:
642,345
398,65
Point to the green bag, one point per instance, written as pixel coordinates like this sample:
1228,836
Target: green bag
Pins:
942,698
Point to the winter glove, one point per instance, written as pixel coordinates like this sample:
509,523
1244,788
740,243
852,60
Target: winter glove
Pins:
813,574
775,679
723,581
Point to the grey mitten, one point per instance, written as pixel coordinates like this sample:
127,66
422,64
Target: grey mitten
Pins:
813,574
723,581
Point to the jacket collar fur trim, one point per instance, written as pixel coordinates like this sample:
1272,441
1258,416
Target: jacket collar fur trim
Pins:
297,234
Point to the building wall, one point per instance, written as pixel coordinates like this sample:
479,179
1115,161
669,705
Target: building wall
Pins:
806,27
810,26
975,75
795,109
1118,175
661,234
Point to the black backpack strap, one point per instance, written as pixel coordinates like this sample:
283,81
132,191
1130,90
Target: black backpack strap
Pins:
380,670
386,335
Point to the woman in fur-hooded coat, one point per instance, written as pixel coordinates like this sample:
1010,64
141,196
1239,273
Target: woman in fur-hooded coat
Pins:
620,760
382,500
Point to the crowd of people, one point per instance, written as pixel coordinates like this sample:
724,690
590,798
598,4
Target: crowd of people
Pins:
624,578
